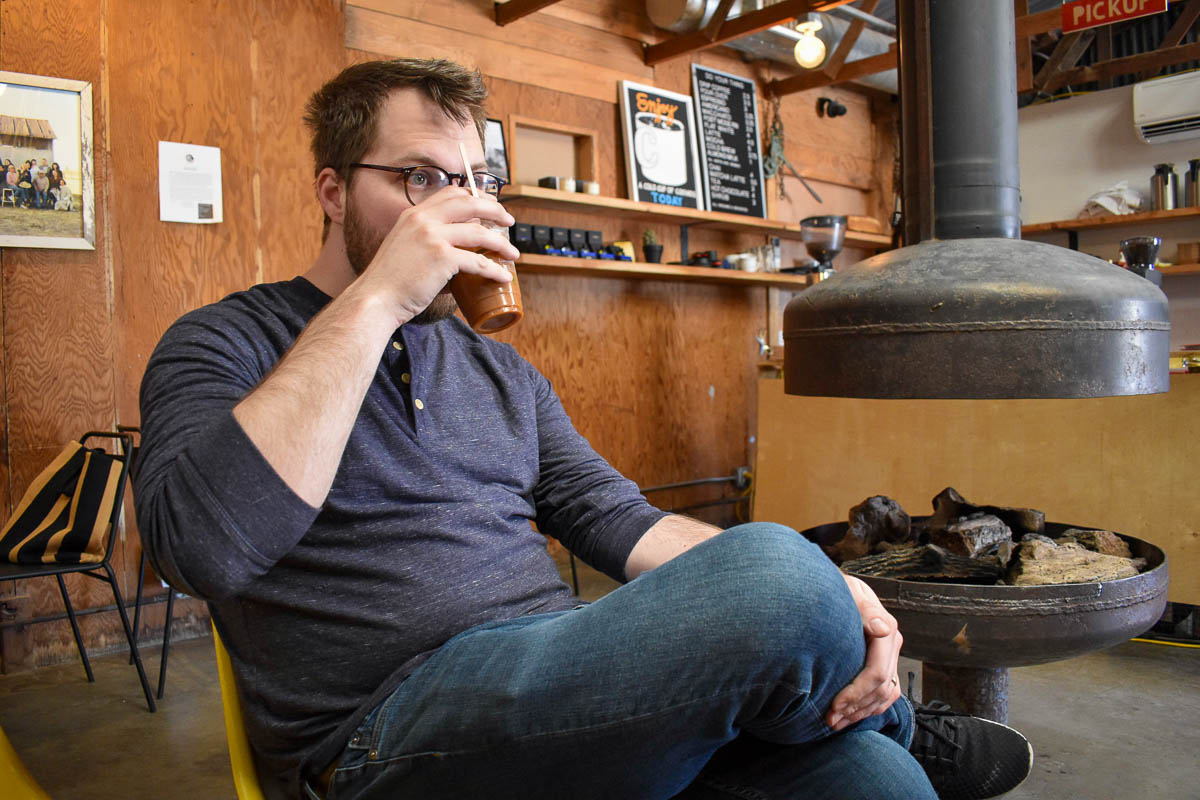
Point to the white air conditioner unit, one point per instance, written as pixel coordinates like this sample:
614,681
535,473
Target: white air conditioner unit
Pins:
1167,109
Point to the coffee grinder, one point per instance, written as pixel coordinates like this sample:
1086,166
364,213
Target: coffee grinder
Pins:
824,237
1140,254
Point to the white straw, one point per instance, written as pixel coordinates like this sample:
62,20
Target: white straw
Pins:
462,148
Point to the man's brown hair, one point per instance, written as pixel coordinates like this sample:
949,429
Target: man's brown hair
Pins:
343,114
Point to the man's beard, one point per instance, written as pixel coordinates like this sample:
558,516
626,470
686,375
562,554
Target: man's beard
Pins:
361,246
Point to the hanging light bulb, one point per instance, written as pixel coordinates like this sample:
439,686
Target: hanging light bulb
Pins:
810,50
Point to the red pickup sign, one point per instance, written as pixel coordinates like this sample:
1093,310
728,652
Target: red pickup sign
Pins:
1081,14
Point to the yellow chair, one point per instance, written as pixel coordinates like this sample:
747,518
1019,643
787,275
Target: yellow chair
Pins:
15,779
245,777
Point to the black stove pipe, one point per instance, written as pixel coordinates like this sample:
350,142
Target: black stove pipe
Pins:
966,309
977,175
959,101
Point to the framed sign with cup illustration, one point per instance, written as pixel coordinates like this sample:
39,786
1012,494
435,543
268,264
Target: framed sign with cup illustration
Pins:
662,162
46,190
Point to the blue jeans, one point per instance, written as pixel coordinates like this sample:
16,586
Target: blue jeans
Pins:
706,678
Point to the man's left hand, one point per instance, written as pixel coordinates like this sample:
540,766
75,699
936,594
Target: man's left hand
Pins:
877,686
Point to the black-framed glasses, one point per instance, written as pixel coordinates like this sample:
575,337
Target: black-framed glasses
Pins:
423,180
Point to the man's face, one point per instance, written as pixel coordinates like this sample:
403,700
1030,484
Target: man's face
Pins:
411,130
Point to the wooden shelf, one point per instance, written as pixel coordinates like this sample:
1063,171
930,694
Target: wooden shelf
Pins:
531,262
537,197
1180,269
1114,220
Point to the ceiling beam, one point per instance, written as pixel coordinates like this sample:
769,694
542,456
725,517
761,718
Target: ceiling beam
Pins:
1104,51
1183,23
1154,60
834,63
1042,22
718,19
1068,51
735,28
852,71
1024,50
1065,56
513,10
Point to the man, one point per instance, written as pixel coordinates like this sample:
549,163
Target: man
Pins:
41,190
347,474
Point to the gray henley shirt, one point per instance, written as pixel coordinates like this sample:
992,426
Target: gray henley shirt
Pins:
460,443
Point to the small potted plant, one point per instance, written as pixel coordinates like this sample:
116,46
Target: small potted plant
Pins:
651,248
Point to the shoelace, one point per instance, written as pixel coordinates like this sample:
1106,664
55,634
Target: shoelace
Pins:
933,720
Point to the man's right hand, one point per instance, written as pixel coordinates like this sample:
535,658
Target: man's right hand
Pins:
433,241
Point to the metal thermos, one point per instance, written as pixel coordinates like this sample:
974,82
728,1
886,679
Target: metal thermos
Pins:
1164,185
1191,184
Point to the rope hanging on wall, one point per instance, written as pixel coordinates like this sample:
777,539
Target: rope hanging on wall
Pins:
775,158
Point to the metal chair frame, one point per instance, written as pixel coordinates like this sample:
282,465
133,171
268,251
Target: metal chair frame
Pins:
134,431
241,757
101,570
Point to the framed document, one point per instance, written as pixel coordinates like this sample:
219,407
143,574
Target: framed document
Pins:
494,150
662,163
730,155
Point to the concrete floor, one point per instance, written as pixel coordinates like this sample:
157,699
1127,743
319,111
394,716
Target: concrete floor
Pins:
1114,724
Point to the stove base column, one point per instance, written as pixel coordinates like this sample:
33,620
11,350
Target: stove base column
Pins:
980,692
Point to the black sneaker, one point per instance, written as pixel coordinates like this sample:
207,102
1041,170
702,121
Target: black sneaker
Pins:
968,758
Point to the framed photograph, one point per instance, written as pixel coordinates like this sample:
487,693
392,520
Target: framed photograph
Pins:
659,129
47,198
494,150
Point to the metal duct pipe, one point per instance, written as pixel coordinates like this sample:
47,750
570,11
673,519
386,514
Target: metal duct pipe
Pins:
967,309
977,176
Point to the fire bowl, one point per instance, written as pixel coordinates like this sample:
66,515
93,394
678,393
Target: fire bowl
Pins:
966,625
967,636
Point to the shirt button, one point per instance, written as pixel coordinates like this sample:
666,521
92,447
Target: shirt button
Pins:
418,404
397,345
406,378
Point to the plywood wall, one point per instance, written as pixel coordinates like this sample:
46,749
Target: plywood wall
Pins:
1118,463
78,326
660,376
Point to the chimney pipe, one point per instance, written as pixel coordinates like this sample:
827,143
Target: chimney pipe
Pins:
967,310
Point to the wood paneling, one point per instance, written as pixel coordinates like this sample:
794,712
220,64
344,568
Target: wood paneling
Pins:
655,375
542,34
622,17
167,269
57,303
1120,463
78,325
389,35
288,217
659,375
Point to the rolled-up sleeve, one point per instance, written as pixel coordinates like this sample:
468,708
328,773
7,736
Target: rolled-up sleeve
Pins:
597,513
212,513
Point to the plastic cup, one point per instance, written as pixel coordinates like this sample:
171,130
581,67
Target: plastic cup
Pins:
488,305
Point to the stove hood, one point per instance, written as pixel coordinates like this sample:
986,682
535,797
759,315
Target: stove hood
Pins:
968,310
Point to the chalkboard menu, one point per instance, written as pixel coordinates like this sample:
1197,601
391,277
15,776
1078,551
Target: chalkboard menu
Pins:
730,157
